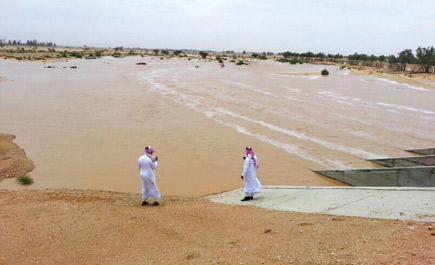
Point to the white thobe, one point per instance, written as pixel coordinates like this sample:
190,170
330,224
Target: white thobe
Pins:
148,178
252,184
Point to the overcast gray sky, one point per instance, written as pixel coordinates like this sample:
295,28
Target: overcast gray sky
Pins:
330,26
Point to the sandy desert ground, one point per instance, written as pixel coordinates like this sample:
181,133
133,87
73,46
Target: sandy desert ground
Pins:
96,227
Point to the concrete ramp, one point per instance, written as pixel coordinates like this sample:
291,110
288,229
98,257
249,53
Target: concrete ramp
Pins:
411,161
384,177
426,151
372,202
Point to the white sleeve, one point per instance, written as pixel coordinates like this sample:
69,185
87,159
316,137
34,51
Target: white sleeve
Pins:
138,163
154,165
246,166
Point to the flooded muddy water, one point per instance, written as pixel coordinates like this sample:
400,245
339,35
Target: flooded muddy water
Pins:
86,127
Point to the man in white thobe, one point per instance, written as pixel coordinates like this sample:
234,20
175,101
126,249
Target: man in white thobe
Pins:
249,175
147,164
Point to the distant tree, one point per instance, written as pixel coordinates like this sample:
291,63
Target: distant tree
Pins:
307,54
244,52
254,55
177,52
382,58
203,54
156,51
426,58
392,60
405,57
286,54
165,52
373,58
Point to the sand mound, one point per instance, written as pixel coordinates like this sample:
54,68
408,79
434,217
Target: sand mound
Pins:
13,160
97,227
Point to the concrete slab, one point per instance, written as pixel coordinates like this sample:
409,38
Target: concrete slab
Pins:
422,176
425,151
416,204
412,161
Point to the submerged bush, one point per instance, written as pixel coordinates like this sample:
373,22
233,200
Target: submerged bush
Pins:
25,180
324,72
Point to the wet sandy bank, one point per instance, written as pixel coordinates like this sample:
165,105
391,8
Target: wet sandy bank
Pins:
13,160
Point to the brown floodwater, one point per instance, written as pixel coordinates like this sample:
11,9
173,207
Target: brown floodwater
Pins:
86,127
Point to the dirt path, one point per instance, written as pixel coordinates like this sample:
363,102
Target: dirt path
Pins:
95,227
13,160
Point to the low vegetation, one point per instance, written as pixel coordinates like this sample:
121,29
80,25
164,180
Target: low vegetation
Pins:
324,72
291,61
25,180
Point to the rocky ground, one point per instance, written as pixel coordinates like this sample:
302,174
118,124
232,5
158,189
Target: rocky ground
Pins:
97,227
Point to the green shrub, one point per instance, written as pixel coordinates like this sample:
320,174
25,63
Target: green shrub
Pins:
25,180
240,62
203,54
324,72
